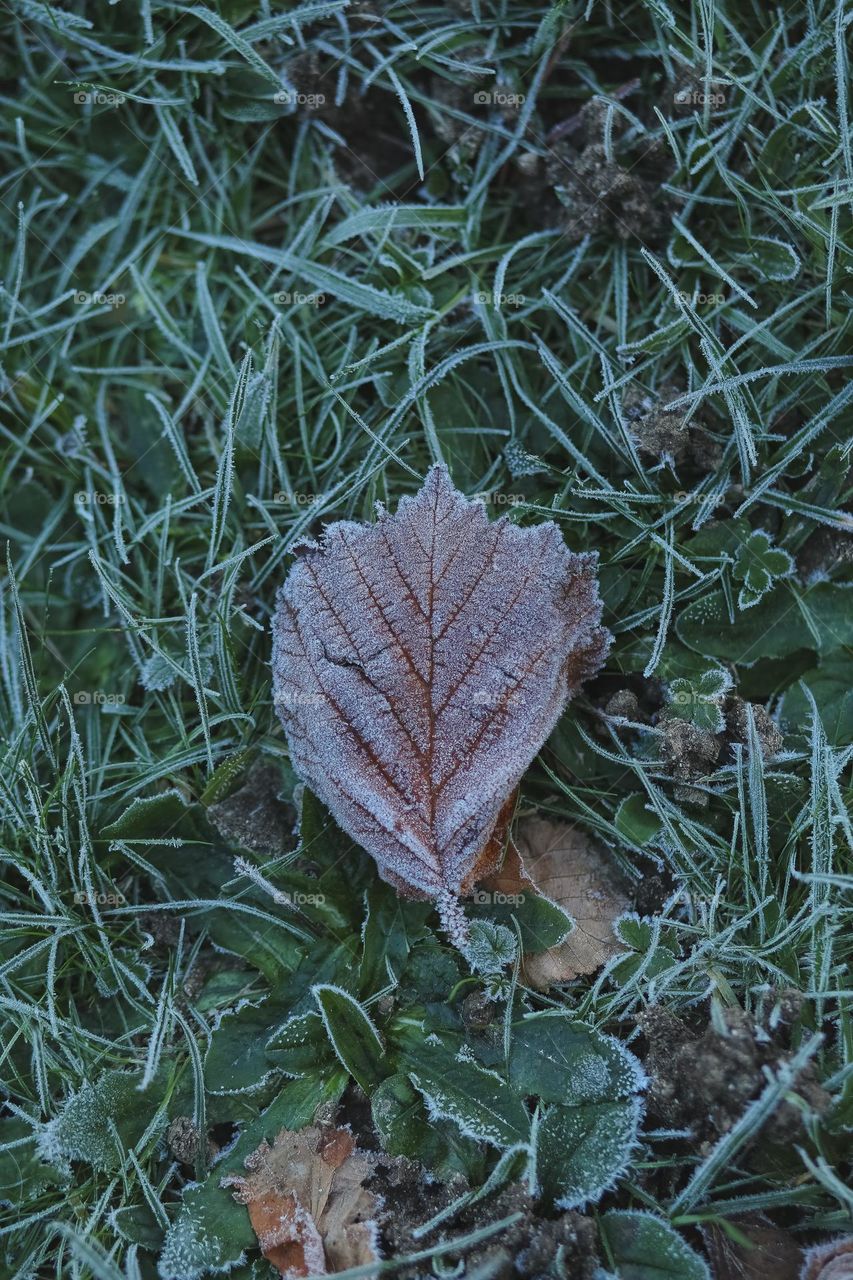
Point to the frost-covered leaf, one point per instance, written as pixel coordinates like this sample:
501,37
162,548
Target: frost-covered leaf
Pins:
570,871
480,1102
236,1060
558,1059
490,947
22,1173
700,699
156,673
819,618
829,685
636,820
300,1045
832,1261
307,1202
400,1116
391,926
758,564
100,1120
648,949
581,1151
353,1036
645,1247
419,663
589,1084
211,1232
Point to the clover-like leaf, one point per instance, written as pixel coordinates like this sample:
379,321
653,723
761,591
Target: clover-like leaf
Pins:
758,565
699,699
419,663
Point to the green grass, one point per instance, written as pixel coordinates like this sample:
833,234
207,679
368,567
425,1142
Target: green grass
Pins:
231,311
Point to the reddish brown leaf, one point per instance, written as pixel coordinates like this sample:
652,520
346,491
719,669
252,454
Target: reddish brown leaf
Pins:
562,864
419,663
307,1203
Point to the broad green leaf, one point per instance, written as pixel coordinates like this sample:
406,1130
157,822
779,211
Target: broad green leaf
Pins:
401,1119
645,1247
582,1150
636,820
391,925
300,1045
236,1060
480,1102
588,1083
22,1173
210,1233
789,618
263,938
830,685
353,1036
136,1224
560,1060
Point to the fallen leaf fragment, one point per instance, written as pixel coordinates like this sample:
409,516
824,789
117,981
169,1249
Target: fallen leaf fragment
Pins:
561,863
766,1252
307,1202
833,1261
419,663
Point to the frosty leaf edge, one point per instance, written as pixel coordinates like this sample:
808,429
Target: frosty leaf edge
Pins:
419,663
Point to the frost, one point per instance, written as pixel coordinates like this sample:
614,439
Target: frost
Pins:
307,1201
97,1121
191,1251
419,663
646,1247
490,947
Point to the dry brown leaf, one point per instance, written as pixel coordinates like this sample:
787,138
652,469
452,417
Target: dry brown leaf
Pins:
833,1261
563,865
771,1254
307,1202
419,663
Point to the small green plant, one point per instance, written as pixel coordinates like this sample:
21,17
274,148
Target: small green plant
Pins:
758,566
